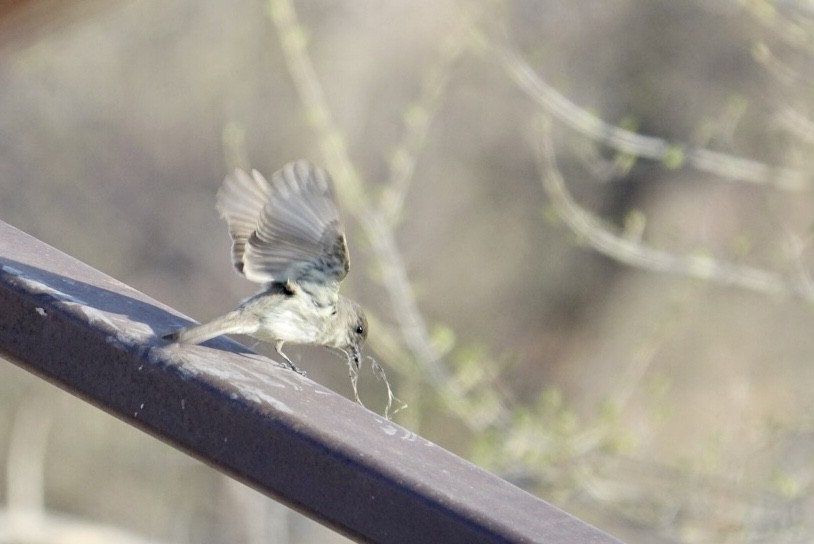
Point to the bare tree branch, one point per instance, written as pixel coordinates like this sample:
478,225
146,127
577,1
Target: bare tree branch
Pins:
635,253
418,119
728,167
354,196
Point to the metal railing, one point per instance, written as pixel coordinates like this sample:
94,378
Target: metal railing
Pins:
266,426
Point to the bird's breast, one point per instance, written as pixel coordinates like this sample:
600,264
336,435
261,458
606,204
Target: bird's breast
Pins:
293,319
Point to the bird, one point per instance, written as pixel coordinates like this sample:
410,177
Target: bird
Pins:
287,235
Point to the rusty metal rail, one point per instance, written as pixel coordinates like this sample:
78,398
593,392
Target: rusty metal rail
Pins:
278,432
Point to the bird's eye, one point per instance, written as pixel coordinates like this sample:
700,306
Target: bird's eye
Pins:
360,329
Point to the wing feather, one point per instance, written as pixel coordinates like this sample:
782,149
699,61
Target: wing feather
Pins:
285,229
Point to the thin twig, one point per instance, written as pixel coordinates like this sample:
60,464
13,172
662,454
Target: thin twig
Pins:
418,119
354,196
635,253
797,124
727,167
788,30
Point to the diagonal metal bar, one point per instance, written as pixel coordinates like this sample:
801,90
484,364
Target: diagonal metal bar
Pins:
276,431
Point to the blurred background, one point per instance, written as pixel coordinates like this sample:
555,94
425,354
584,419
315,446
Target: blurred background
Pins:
582,231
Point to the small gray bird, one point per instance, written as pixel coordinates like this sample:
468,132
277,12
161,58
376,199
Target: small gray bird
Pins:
286,234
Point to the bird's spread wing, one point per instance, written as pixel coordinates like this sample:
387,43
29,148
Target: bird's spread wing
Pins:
285,229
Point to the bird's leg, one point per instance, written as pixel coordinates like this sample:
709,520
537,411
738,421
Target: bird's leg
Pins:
279,347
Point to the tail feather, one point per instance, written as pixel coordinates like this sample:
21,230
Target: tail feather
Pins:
227,324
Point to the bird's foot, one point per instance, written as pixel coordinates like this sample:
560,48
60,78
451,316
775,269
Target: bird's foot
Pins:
288,363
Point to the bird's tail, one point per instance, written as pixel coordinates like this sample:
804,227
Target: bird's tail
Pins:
230,323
